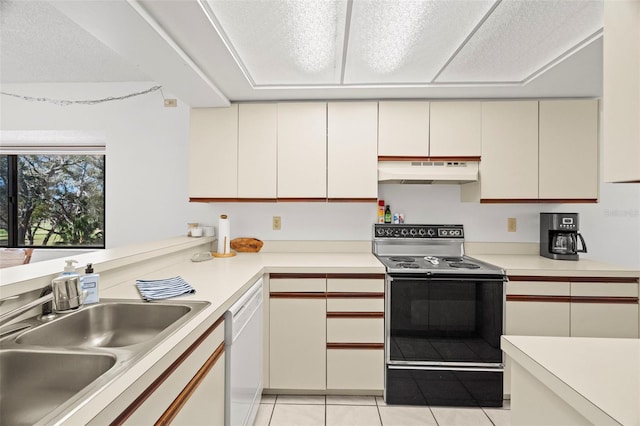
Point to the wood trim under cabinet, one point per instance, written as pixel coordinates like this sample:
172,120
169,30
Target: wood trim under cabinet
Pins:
355,314
182,398
357,276
352,200
355,345
528,298
573,299
131,408
573,279
297,295
420,158
355,295
287,276
538,200
600,299
231,200
302,200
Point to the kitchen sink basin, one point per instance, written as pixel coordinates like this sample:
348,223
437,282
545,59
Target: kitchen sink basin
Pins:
34,383
108,325
54,366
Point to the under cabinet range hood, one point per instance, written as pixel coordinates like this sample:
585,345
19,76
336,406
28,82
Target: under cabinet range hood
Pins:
427,171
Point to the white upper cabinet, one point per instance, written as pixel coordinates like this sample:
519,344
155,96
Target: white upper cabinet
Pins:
568,149
403,129
352,150
213,152
302,150
621,91
455,129
509,166
257,150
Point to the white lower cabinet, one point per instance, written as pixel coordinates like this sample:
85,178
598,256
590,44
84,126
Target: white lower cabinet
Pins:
191,389
569,307
326,332
604,309
355,369
297,334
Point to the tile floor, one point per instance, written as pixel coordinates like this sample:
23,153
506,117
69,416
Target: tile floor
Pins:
301,410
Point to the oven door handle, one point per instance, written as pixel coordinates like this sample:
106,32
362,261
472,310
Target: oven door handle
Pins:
432,368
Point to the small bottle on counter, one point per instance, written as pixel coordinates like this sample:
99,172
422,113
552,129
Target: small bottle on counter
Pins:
89,283
387,214
380,211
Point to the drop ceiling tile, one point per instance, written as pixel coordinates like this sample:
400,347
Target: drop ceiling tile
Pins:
522,37
289,42
407,41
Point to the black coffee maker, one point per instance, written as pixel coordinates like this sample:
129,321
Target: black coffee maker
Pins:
559,236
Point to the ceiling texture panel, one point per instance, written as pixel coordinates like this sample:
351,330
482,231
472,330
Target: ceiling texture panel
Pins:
210,52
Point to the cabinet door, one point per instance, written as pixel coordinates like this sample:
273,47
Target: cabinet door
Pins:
455,129
257,138
604,309
298,342
403,128
213,152
206,404
568,153
352,150
621,91
302,150
509,166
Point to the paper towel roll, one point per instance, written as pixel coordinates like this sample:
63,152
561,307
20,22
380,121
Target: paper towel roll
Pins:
224,235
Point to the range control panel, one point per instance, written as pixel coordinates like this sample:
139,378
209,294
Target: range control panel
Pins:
386,230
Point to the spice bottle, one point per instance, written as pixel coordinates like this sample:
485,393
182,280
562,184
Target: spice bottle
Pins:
387,214
380,211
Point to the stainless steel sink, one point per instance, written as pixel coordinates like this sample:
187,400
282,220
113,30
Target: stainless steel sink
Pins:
108,325
52,367
34,383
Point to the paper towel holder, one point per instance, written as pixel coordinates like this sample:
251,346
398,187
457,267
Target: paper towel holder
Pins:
225,241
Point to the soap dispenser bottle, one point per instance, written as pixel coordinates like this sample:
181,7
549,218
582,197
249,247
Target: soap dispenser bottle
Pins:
89,283
69,269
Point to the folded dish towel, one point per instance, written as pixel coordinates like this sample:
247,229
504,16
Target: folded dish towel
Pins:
163,289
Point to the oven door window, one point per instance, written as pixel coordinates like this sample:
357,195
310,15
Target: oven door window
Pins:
433,320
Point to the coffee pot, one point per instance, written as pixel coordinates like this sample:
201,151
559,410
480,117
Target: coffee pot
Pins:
559,236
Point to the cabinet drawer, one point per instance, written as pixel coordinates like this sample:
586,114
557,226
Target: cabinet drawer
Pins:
538,288
355,305
355,369
537,318
337,285
298,285
604,289
355,330
604,320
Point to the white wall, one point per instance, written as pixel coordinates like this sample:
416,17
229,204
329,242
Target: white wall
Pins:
147,196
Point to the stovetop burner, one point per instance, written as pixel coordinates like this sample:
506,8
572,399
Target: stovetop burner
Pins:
453,259
407,265
464,265
402,259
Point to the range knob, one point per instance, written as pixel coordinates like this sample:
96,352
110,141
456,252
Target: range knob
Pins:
413,232
431,232
422,232
404,232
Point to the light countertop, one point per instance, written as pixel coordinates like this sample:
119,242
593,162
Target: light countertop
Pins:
598,377
528,264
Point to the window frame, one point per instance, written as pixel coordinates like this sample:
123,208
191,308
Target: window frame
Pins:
12,199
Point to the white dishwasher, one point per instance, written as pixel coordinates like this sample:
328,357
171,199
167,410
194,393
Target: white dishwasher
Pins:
243,360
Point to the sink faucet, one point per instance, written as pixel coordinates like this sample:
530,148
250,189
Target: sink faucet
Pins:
45,298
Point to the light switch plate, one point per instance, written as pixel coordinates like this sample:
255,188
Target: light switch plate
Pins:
511,224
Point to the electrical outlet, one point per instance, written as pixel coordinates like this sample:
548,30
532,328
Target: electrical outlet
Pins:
277,223
172,103
511,224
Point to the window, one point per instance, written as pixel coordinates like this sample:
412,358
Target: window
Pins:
52,200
